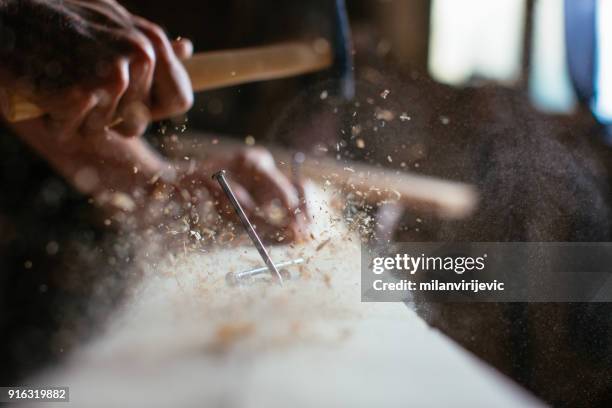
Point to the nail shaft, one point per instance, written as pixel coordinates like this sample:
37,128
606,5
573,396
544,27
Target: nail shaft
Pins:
222,180
236,278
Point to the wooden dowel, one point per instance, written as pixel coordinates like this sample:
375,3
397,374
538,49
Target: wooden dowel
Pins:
447,199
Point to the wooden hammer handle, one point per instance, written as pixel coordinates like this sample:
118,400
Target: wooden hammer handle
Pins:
226,68
218,69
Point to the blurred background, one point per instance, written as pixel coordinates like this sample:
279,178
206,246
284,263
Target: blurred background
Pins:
518,44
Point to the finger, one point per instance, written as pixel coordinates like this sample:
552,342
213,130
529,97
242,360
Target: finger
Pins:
102,12
302,189
275,185
183,48
133,109
172,93
223,204
68,112
302,220
272,234
294,230
114,81
257,170
296,226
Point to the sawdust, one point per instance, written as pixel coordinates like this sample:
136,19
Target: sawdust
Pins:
182,304
322,245
229,333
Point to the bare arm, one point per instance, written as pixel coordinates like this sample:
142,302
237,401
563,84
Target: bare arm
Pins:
103,75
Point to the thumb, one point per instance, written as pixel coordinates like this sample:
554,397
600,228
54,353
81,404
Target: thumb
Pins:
183,48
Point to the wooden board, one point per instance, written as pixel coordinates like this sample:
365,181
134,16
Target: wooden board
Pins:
188,340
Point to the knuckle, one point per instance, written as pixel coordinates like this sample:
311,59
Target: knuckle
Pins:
261,151
144,53
77,99
261,154
256,158
85,100
184,102
157,32
156,35
119,78
179,104
133,131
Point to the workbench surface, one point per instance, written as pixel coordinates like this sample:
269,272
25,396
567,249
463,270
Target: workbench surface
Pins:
186,339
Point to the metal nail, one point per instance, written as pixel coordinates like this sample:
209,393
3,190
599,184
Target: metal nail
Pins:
222,180
237,278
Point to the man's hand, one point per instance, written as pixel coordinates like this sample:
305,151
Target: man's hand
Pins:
276,205
92,66
103,74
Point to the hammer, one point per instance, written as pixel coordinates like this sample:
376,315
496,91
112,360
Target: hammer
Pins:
211,70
